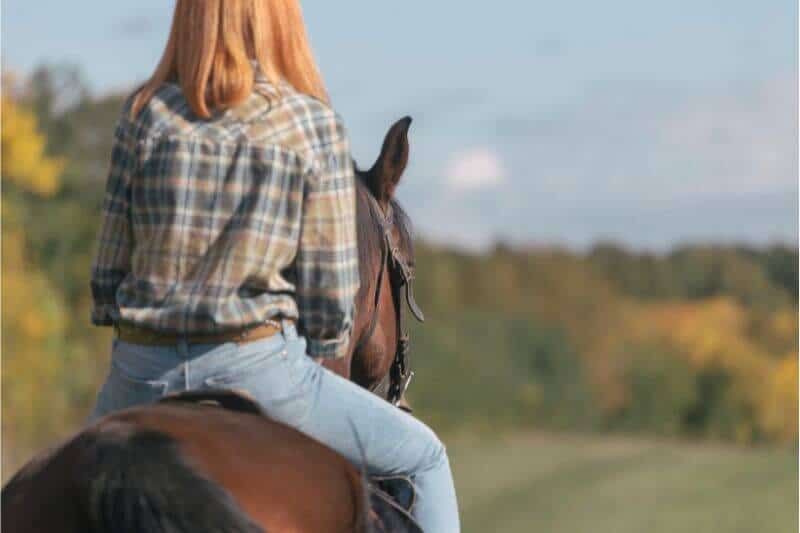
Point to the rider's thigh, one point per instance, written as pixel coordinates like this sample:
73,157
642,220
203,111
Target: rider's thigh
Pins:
365,428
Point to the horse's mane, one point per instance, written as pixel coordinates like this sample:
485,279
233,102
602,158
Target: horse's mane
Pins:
370,235
139,481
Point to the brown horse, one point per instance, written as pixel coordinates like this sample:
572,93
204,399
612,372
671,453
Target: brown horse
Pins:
379,353
185,466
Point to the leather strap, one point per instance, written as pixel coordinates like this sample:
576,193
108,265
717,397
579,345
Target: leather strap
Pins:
401,278
373,323
146,337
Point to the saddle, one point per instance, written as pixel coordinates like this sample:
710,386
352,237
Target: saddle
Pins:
392,498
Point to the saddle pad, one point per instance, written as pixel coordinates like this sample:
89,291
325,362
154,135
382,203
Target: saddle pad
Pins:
232,400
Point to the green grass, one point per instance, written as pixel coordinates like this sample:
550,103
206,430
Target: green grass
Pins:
542,483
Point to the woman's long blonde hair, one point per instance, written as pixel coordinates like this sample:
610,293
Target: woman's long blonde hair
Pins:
213,42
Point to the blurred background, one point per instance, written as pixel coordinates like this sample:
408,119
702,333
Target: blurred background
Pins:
605,197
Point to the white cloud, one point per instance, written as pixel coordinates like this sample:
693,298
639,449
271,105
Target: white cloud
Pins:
475,168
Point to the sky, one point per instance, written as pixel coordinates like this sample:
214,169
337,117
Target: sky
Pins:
650,124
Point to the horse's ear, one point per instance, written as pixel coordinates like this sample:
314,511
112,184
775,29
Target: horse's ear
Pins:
389,168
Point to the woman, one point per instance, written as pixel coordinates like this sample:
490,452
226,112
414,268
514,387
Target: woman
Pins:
229,226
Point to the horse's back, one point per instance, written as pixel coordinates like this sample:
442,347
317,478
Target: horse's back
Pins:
282,478
186,467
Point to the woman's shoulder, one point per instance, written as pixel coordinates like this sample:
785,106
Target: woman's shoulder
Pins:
304,122
165,105
280,116
303,104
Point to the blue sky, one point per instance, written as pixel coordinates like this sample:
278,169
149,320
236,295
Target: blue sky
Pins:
647,123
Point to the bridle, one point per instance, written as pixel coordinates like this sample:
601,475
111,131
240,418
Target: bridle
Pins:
401,276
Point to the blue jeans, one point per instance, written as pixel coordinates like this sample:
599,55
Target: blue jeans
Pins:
295,390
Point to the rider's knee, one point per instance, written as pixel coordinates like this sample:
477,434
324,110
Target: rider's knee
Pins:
441,453
436,451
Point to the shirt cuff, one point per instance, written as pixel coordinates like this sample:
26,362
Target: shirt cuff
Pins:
329,349
102,315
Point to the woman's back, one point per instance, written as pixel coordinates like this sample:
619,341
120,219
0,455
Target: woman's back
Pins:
216,208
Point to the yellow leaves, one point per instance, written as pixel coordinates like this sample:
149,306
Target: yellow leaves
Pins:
779,407
708,329
34,316
715,334
24,161
35,370
33,325
779,330
784,323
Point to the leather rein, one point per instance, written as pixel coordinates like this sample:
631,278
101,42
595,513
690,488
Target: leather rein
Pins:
401,273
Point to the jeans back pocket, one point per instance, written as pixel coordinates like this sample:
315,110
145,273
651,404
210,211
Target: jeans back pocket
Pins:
127,391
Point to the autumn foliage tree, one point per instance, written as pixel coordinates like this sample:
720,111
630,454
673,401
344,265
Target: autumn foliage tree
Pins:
34,316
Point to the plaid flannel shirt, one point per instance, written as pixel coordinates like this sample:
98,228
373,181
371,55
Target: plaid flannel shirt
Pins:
220,224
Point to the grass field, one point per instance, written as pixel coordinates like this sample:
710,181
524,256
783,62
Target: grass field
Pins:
542,483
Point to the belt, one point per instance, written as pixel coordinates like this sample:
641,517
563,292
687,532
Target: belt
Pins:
148,337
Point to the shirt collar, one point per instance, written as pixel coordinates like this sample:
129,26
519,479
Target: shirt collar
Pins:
254,107
264,85
258,73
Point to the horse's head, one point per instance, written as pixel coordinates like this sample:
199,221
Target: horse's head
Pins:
386,259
